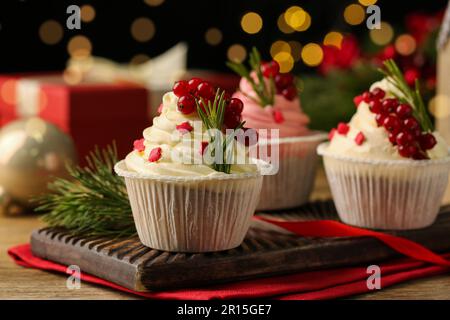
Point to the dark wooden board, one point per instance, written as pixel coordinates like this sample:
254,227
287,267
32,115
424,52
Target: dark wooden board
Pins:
266,251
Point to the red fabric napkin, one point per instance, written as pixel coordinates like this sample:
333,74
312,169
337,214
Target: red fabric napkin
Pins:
326,284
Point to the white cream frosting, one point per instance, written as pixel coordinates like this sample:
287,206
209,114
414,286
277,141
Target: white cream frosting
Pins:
163,134
376,144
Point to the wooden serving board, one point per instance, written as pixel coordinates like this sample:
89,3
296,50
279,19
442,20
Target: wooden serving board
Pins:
266,251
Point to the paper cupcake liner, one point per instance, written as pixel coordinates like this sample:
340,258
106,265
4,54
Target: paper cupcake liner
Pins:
197,214
291,186
386,194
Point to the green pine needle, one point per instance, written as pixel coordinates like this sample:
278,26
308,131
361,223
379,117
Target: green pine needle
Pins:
94,202
410,96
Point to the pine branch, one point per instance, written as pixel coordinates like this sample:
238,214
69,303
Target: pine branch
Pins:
94,202
408,95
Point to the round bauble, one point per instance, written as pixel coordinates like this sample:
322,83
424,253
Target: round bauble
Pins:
33,153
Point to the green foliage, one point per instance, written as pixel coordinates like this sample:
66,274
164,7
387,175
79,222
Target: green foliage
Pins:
93,202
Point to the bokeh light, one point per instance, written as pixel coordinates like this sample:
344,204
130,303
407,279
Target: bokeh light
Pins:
154,3
367,2
72,76
312,54
383,35
439,106
283,26
279,46
295,17
51,32
333,38
87,13
285,60
8,91
142,29
251,22
237,53
213,36
79,47
296,50
405,44
354,14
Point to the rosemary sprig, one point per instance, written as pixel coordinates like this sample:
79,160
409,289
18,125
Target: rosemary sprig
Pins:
265,93
408,95
94,202
212,115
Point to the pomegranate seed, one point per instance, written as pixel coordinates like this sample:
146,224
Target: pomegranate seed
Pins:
357,100
270,69
155,155
232,120
392,138
184,127
411,123
375,106
289,93
181,88
359,139
378,93
206,91
278,116
404,110
427,141
343,128
367,96
283,80
379,118
389,105
404,138
203,147
186,104
236,106
391,123
407,151
193,84
138,145
331,134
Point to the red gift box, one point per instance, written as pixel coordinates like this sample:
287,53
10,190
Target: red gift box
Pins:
94,114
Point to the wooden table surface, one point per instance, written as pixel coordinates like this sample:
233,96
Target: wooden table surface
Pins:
20,283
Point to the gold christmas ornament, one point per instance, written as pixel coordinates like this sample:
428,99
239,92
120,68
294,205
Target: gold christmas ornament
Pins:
32,153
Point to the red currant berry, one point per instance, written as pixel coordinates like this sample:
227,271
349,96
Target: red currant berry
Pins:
357,100
180,88
411,123
226,97
378,93
419,155
389,105
206,90
416,132
375,106
193,84
186,104
427,141
270,69
403,138
392,138
379,118
407,151
235,106
392,123
404,110
283,80
343,128
232,120
367,97
289,93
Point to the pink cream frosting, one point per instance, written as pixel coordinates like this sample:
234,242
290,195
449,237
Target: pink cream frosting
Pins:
285,115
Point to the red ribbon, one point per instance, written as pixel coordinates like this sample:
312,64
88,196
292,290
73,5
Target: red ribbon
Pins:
331,228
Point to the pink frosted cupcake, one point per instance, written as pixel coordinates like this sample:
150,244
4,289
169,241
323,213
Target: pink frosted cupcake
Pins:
273,108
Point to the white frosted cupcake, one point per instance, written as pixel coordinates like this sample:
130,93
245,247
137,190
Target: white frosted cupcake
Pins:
272,107
386,168
182,200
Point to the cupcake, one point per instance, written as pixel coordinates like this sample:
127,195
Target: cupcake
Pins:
272,107
387,168
184,198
